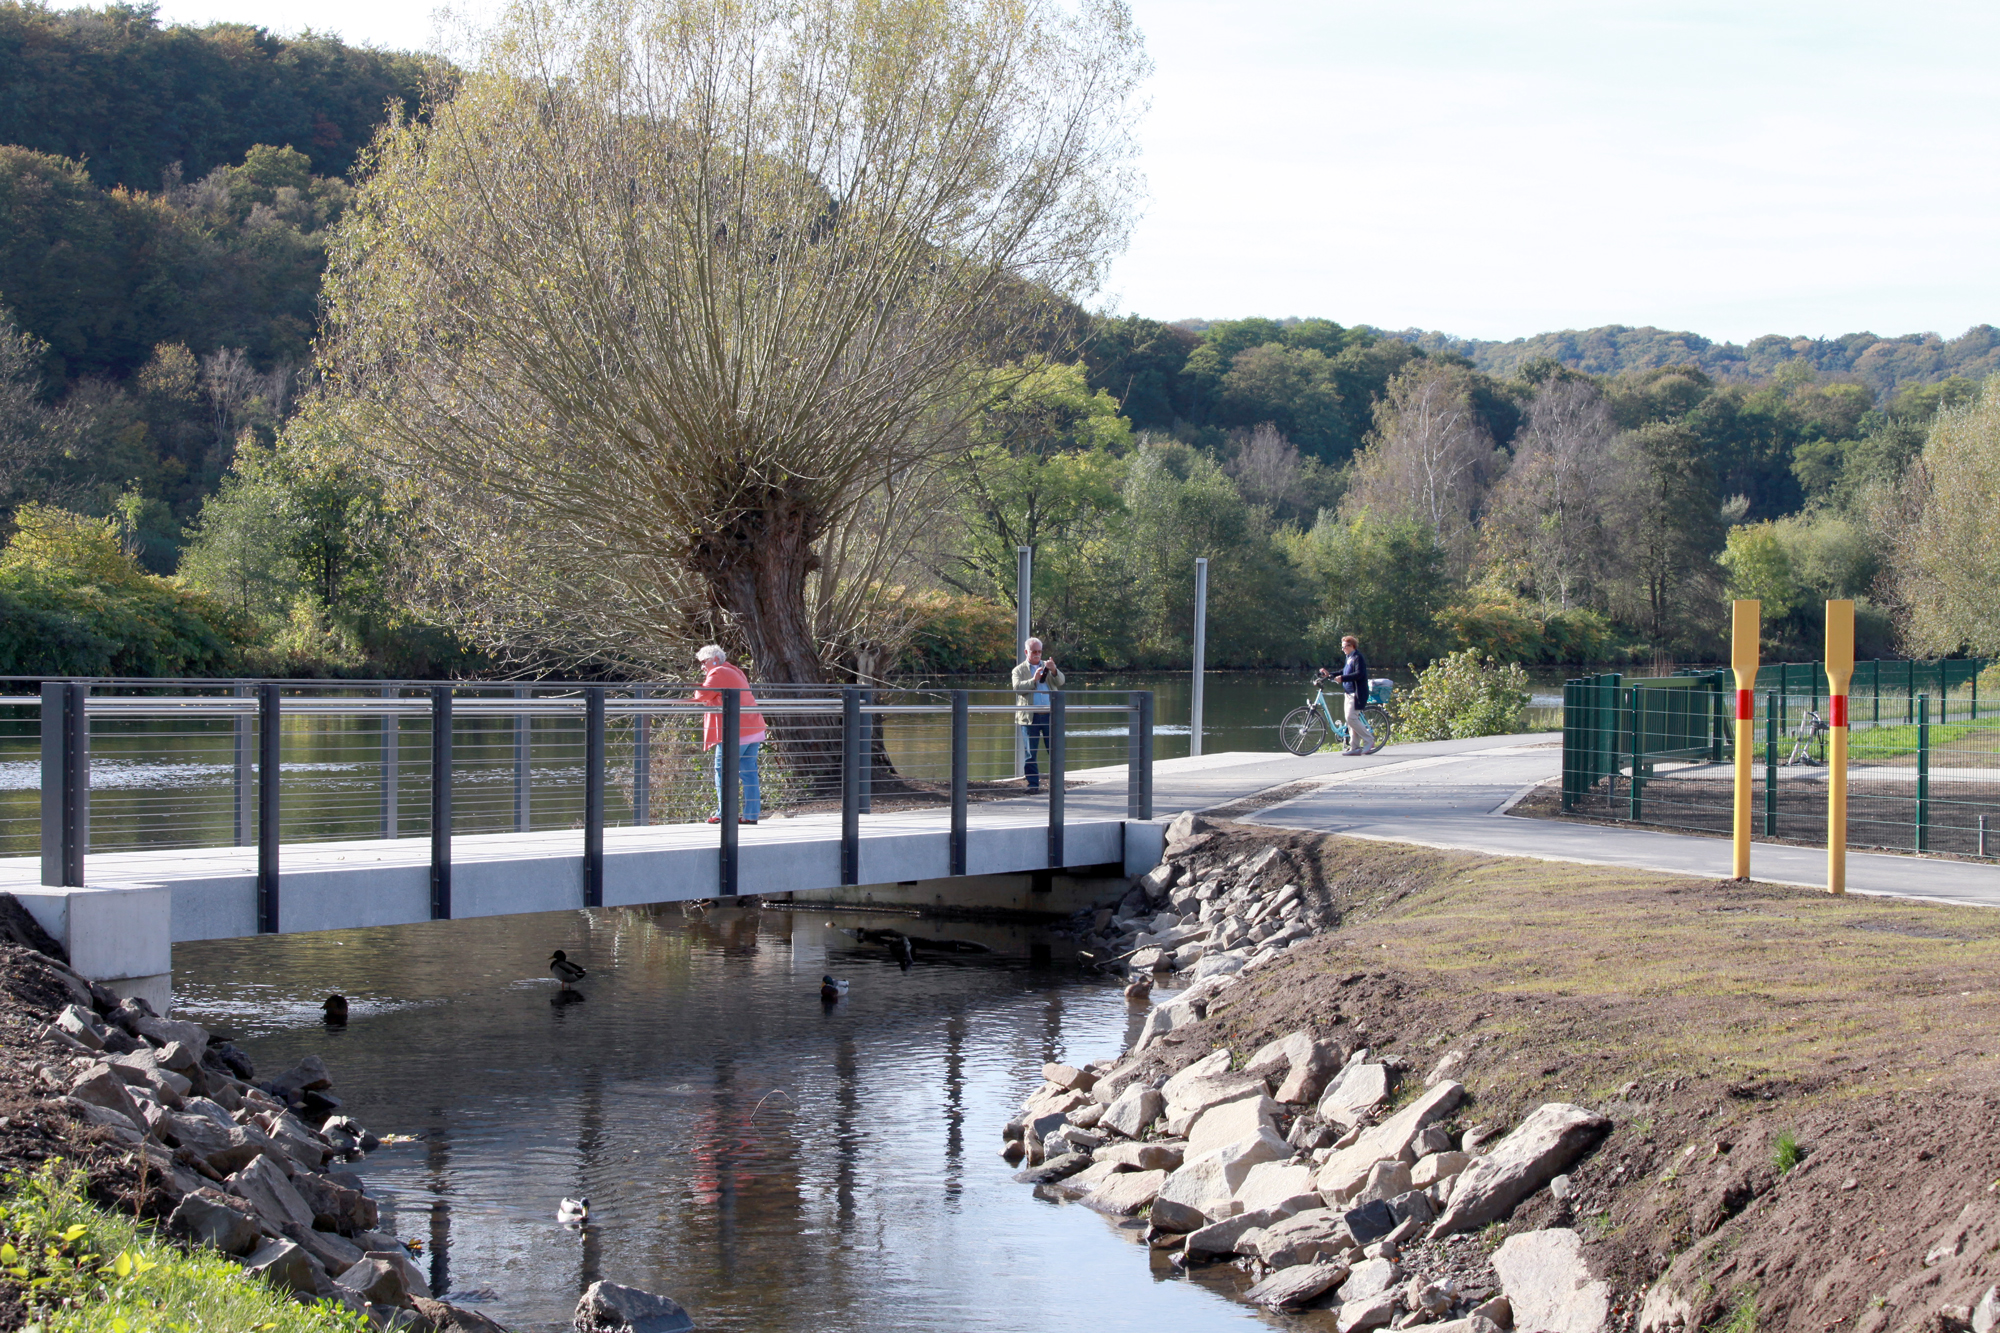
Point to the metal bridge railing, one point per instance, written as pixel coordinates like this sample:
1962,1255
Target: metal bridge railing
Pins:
1923,762
90,766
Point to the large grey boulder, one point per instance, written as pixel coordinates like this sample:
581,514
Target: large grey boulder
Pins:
166,1031
1308,1236
1355,1091
1054,1169
100,1086
1371,1277
210,1217
1232,1122
1272,1184
1986,1314
414,1280
1291,1287
1548,1284
1126,1193
1527,1159
1221,1238
1376,1311
264,1184
1348,1166
81,1024
334,1253
1135,1109
226,1148
1197,1096
285,1266
607,1307
375,1281
1160,1155
1210,1181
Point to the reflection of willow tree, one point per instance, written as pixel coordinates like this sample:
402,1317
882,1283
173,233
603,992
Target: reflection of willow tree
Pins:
660,320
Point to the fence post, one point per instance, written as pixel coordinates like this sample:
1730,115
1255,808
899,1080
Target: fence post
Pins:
1146,753
269,778
1877,674
1637,744
65,783
1133,779
850,786
961,746
245,813
1772,709
593,796
524,812
1909,691
1982,835
440,802
1923,772
1975,689
867,770
731,756
1056,729
642,761
392,741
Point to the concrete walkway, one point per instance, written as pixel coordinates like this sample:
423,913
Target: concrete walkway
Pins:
1453,794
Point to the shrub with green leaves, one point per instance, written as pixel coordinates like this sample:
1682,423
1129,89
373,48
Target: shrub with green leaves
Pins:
1461,695
80,1268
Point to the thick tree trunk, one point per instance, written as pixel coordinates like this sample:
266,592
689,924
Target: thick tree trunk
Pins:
756,569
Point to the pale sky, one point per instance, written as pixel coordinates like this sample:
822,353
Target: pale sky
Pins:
1732,167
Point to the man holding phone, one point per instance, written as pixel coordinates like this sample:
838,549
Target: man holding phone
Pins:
1033,679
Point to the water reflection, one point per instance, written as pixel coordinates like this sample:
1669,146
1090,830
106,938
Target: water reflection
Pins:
771,1162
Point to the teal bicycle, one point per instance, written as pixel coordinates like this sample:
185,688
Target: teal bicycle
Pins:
1305,730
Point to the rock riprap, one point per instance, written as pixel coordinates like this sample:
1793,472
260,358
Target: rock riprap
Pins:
1316,1168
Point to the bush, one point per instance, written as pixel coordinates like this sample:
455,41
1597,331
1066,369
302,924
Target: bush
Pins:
1496,623
1461,695
73,601
951,634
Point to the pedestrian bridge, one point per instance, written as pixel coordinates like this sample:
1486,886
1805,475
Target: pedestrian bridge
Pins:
201,810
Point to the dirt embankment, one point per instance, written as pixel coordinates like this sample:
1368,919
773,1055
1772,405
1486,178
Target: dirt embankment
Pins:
1804,1091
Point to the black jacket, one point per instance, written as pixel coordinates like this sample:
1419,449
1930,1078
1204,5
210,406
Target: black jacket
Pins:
1354,675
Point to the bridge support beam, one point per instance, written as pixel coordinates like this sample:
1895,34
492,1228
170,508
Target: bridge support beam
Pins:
122,938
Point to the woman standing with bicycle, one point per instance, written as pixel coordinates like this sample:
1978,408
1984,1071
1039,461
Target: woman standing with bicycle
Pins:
1354,681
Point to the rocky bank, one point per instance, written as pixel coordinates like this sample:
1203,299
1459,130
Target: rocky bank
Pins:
1343,1164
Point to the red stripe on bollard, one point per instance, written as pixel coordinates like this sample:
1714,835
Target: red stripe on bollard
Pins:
1746,707
1837,710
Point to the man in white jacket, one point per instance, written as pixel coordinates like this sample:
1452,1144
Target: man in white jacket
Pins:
1033,679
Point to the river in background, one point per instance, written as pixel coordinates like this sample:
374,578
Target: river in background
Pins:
771,1163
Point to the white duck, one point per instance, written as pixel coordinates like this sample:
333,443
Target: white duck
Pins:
573,1212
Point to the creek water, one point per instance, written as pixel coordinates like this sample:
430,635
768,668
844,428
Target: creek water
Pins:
771,1162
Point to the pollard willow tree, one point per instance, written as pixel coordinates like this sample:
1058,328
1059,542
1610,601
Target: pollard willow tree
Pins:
661,317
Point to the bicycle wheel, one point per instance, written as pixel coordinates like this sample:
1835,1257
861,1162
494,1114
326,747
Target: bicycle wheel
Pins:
1303,731
1377,718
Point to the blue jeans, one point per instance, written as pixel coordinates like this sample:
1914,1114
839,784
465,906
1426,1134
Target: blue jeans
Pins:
1037,728
749,800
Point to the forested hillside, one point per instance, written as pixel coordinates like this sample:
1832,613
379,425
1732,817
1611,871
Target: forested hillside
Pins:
169,198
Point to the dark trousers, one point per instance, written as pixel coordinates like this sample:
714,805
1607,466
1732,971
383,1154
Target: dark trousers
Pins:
1038,728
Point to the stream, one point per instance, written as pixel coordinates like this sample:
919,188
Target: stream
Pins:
771,1162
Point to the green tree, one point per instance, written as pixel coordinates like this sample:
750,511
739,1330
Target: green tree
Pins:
1380,579
1945,562
1666,530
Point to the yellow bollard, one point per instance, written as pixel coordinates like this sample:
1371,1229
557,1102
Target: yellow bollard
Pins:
1746,623
1839,675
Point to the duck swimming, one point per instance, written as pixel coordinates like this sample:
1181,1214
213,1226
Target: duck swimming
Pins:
564,970
335,1008
1139,991
573,1212
831,990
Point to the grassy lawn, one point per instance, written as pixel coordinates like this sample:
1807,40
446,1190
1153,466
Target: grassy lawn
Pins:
79,1268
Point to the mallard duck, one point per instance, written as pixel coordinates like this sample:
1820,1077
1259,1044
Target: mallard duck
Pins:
564,970
1139,991
831,990
573,1212
335,1008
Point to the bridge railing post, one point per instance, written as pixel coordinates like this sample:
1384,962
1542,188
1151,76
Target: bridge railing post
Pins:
850,786
1146,752
524,809
961,765
244,816
642,762
440,802
593,796
1057,728
730,757
65,783
866,770
392,741
270,778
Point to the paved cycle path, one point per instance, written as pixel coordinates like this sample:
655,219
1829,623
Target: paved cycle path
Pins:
1454,794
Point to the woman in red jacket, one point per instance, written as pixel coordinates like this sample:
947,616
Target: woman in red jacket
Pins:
718,675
